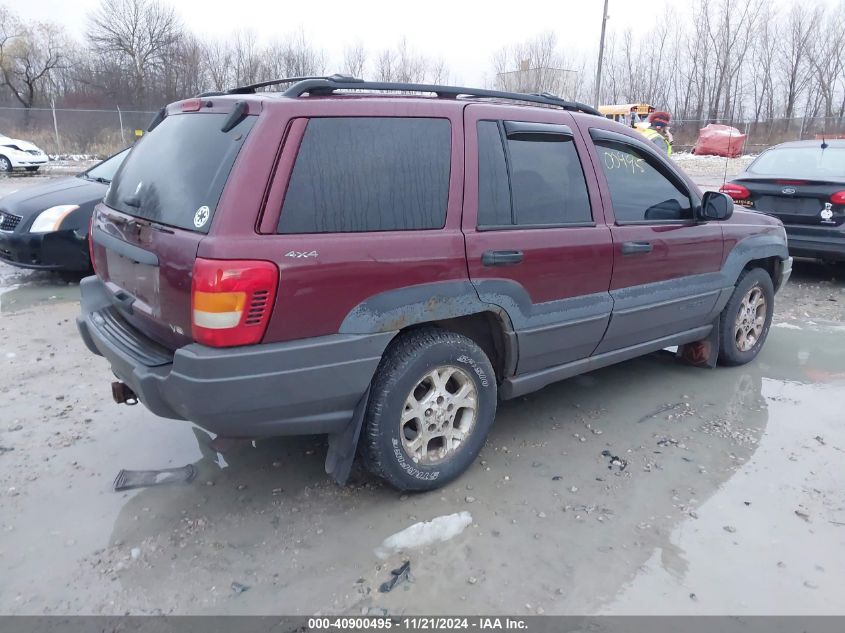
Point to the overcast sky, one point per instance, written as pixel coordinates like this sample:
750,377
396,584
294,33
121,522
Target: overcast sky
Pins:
464,34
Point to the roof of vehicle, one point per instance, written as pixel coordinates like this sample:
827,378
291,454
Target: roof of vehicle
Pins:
832,142
336,85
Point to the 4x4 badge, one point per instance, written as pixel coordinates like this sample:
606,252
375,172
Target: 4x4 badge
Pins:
301,254
201,216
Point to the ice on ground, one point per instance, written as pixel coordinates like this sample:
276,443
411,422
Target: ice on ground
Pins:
424,533
788,326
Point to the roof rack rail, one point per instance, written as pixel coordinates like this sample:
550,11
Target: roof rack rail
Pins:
328,85
251,88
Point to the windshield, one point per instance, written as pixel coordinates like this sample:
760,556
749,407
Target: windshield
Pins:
105,171
176,173
801,162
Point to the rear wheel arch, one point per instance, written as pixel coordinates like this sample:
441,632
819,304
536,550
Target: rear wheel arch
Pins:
490,330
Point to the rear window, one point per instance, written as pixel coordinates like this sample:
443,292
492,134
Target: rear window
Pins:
176,173
369,174
801,162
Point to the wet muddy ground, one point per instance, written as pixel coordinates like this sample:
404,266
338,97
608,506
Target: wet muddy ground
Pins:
648,487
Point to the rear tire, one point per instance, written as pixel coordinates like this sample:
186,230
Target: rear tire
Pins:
746,318
432,404
5,165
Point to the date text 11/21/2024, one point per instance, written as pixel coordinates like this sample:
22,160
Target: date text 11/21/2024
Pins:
420,623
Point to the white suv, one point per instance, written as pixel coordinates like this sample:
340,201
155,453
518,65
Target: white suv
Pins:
17,153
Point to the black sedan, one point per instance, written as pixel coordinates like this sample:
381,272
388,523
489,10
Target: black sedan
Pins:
803,184
46,226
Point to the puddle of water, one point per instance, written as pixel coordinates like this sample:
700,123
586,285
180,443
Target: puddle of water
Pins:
768,542
21,289
556,524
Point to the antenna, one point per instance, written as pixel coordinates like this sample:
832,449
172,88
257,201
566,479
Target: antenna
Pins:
727,155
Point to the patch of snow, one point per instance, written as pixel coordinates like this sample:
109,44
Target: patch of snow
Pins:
424,533
788,326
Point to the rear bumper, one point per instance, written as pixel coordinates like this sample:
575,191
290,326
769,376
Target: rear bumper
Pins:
300,387
57,250
816,242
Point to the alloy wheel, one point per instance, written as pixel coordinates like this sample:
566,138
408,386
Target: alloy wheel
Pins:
439,414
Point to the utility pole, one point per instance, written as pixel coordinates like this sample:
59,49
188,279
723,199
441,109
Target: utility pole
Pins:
604,18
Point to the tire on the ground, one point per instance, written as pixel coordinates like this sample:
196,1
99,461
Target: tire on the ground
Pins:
5,164
406,361
729,352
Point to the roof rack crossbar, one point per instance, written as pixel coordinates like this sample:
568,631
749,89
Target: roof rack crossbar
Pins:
251,88
328,85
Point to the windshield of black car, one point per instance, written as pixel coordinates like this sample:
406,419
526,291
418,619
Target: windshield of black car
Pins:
104,172
801,162
175,174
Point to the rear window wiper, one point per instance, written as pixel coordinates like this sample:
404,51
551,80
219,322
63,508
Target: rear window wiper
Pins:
132,201
105,181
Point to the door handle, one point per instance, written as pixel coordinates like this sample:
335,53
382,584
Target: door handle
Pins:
632,248
501,258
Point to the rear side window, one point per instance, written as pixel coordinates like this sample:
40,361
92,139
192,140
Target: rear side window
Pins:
527,179
175,174
369,174
639,189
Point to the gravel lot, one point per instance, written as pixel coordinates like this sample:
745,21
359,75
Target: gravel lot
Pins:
649,487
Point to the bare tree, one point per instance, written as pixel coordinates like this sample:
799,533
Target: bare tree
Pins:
217,64
827,58
246,58
762,63
793,53
28,54
536,65
293,56
402,64
354,60
139,32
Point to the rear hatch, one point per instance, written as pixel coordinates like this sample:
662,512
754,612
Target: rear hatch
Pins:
159,207
808,202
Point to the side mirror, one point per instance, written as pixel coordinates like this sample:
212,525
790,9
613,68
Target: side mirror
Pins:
716,206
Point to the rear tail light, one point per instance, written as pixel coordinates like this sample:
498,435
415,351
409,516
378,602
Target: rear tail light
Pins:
838,197
735,191
231,301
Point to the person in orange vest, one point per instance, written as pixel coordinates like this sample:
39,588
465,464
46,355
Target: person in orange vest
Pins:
657,131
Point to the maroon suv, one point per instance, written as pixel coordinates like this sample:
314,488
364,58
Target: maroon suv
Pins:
382,267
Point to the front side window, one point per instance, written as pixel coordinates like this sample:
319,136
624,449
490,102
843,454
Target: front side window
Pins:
369,174
639,190
529,179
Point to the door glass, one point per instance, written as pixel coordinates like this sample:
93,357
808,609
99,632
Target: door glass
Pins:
547,180
494,196
533,179
369,174
638,189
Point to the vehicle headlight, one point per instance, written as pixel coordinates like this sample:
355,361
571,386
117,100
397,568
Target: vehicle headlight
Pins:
50,219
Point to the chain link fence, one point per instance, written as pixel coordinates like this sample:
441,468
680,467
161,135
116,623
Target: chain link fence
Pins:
101,132
69,132
762,133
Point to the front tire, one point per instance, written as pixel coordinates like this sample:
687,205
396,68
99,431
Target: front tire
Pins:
747,318
431,407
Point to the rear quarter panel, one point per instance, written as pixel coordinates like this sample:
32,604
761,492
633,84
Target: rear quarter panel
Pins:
324,277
